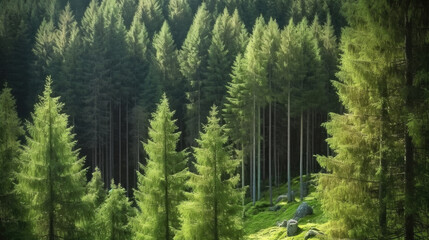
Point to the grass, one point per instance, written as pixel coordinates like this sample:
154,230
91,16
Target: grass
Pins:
261,223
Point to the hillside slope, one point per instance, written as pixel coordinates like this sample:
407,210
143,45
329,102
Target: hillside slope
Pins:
261,223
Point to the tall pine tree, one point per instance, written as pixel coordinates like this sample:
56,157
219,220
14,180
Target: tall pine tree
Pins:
213,209
51,179
160,188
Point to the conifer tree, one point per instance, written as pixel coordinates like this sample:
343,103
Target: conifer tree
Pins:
229,38
270,47
193,64
51,179
287,67
11,214
367,140
213,209
161,188
94,197
150,11
164,69
113,215
180,19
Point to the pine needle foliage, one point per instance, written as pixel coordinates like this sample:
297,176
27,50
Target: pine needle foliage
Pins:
113,216
213,209
161,188
52,178
10,132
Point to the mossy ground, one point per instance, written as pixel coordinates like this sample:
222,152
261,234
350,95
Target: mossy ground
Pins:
260,222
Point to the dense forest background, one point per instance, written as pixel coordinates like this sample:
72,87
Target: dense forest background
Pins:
301,86
110,61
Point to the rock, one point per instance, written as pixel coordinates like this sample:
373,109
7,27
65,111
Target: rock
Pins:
281,198
312,233
282,223
275,208
284,197
292,227
303,210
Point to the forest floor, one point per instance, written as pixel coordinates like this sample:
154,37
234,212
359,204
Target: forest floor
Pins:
261,223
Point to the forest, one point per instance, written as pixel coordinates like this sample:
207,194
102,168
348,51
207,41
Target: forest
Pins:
214,119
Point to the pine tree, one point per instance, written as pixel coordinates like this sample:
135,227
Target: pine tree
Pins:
229,38
113,215
150,11
213,209
193,64
11,215
286,67
164,69
94,198
51,180
161,188
270,47
180,19
368,139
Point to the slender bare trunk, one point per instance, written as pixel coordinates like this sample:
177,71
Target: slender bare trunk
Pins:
289,187
254,150
269,154
409,148
301,184
258,136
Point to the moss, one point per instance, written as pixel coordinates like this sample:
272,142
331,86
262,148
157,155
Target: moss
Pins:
261,223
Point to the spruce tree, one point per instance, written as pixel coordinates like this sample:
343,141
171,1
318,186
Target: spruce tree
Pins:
213,209
150,11
112,218
51,179
95,196
180,19
229,38
11,215
160,188
193,64
164,69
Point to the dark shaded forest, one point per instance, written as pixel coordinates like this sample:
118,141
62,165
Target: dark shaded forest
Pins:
147,114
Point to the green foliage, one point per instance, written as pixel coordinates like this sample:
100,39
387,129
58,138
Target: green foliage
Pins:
180,18
161,188
11,214
51,178
94,197
164,68
193,64
368,138
113,216
213,209
150,11
229,38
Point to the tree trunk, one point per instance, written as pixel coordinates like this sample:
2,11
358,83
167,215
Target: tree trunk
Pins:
269,154
254,150
383,162
167,208
307,156
126,150
242,176
289,187
409,148
301,184
258,137
111,147
120,141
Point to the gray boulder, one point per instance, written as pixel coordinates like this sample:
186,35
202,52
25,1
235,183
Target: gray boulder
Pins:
275,208
303,210
292,227
312,233
282,223
284,197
